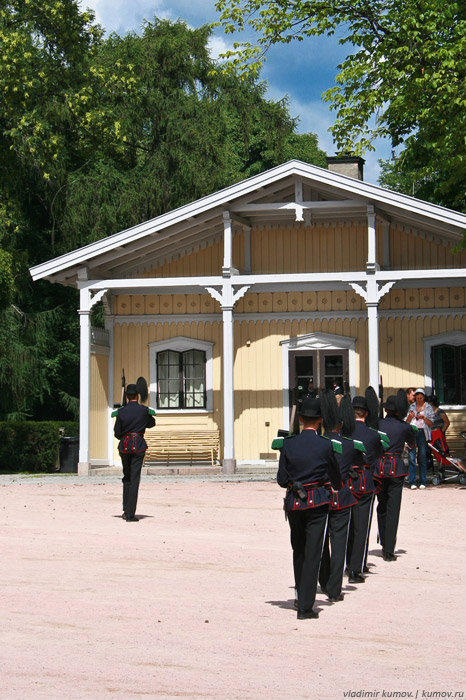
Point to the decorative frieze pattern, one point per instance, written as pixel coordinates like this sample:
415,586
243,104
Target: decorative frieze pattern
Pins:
289,316
328,302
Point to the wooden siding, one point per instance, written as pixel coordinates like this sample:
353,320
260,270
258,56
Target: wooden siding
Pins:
207,260
317,248
411,249
259,376
333,246
99,407
132,353
401,348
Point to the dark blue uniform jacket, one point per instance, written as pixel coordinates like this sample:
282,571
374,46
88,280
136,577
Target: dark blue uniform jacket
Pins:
130,424
343,498
309,459
391,464
364,461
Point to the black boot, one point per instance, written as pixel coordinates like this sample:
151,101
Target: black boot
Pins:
356,577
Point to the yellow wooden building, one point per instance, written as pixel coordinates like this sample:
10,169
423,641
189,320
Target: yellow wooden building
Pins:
229,302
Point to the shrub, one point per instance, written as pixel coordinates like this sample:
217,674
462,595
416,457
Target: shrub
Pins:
31,446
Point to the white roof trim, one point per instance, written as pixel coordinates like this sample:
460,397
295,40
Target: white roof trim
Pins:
223,198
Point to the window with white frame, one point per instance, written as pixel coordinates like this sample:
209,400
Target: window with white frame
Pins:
181,379
445,367
181,375
449,373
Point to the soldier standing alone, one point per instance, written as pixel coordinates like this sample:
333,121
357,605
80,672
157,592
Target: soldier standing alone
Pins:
130,424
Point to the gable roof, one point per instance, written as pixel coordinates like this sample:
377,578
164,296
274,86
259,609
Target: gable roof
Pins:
201,221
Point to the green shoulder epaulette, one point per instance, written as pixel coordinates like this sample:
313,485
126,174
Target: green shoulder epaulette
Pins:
336,444
152,411
414,428
358,445
277,443
384,439
115,412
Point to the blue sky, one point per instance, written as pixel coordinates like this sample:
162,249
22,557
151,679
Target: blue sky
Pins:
301,70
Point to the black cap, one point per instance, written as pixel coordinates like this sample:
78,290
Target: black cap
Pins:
131,390
390,404
373,408
330,412
360,402
310,408
347,416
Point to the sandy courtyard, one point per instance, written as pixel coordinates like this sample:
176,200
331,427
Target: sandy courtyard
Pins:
195,600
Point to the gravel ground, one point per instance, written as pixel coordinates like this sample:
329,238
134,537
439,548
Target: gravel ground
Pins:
196,600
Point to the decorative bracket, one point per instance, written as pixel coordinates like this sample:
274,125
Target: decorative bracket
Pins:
227,297
240,292
96,297
215,294
368,293
359,289
385,288
299,212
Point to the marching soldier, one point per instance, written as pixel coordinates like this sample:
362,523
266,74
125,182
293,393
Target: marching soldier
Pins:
333,554
364,488
131,422
390,472
307,463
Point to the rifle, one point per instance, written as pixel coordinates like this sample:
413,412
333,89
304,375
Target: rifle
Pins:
123,388
381,397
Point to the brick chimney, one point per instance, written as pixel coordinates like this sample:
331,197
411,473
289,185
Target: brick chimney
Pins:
352,166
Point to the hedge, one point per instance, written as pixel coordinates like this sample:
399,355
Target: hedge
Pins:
32,446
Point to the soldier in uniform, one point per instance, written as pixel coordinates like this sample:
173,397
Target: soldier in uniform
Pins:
390,472
333,554
131,422
364,488
307,463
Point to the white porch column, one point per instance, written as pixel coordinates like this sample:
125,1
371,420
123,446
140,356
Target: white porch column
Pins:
373,343
109,325
227,244
229,461
84,381
372,300
371,292
227,298
371,265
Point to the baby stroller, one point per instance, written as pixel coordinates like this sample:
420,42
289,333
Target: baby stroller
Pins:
449,467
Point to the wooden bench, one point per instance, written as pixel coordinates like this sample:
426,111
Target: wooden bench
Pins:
183,446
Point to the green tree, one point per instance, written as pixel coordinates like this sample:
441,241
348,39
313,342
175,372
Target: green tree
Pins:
171,114
98,135
404,77
44,69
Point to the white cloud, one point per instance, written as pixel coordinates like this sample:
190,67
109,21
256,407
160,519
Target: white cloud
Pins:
219,45
122,17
